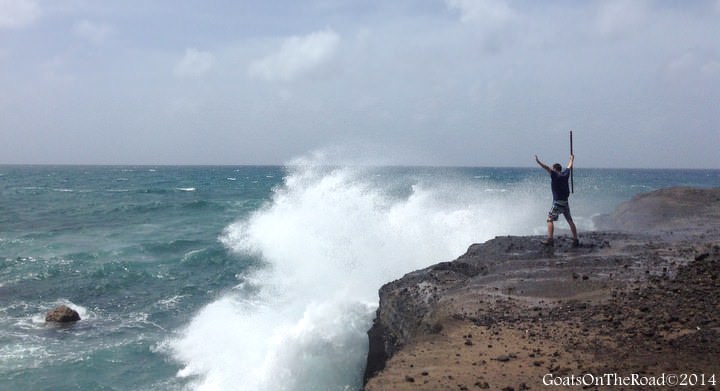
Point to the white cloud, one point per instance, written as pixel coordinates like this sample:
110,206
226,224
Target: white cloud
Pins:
683,63
194,63
55,71
711,68
93,32
487,13
296,56
616,17
18,13
693,64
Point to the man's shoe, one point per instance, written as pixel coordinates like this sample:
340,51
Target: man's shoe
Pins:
576,243
548,242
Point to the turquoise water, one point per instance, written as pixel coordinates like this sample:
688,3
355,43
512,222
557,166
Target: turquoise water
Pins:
243,278
136,247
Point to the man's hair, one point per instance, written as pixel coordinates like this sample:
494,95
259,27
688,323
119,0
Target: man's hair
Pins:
557,167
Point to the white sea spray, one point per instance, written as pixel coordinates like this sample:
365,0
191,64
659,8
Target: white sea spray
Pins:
330,237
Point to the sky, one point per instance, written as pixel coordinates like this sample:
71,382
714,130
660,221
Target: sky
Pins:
410,82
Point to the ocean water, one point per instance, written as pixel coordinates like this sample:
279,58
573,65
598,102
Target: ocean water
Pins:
243,278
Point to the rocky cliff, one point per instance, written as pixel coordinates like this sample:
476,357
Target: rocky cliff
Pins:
510,310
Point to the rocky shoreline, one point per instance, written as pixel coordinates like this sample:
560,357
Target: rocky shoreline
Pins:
640,297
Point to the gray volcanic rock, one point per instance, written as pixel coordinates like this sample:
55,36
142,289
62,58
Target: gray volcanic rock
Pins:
417,303
62,314
491,280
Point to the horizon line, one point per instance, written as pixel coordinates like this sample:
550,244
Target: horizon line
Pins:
331,165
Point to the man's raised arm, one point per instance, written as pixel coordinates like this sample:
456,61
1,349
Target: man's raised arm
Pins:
543,165
570,162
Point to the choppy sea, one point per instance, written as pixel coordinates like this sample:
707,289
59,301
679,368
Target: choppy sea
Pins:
244,278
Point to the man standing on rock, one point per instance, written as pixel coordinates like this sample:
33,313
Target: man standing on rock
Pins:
561,193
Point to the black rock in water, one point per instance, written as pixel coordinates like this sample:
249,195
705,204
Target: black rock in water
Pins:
62,314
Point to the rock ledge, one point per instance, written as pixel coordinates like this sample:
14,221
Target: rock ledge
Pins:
638,297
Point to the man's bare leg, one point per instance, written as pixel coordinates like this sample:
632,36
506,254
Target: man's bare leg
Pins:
574,232
551,229
573,229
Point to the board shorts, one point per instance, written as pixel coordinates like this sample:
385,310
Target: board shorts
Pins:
557,208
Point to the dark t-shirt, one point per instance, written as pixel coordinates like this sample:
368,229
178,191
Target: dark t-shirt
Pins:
559,185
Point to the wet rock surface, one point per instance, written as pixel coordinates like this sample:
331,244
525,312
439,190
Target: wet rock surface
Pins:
510,310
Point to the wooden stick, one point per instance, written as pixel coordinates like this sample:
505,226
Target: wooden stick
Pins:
572,185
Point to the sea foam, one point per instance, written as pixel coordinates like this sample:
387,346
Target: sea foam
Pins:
328,239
